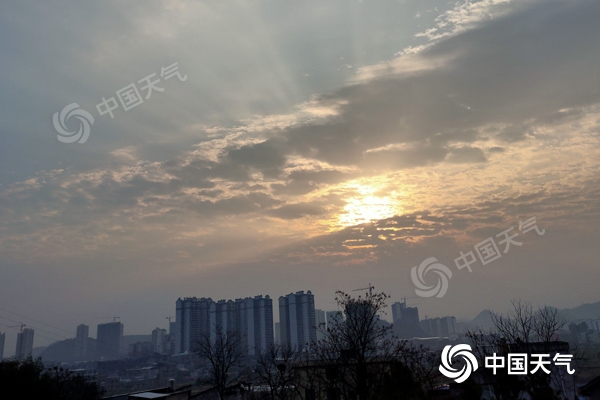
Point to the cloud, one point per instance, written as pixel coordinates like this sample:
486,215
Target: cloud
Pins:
299,210
466,155
487,119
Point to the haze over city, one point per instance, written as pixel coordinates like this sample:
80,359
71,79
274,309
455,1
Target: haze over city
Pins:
309,145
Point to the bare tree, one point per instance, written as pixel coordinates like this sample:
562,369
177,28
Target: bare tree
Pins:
356,351
524,330
276,366
423,363
523,325
223,354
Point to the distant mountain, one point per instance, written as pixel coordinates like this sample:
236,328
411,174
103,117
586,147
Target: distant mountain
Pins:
584,311
483,320
37,351
67,351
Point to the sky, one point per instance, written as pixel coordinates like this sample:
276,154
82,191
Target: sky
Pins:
311,145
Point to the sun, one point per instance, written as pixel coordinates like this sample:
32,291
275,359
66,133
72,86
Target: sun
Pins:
365,206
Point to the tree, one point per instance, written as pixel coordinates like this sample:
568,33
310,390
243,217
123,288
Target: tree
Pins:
276,366
357,350
522,330
31,380
423,364
399,384
525,325
223,354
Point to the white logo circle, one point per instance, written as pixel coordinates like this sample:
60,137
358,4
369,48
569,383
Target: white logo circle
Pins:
443,272
85,122
464,351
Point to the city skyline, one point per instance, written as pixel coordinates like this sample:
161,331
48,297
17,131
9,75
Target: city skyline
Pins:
396,311
212,309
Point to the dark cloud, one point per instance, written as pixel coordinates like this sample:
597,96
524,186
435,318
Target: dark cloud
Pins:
298,210
400,159
513,133
236,205
304,181
263,157
466,155
524,78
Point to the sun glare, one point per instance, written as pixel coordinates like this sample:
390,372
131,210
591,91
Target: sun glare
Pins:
366,207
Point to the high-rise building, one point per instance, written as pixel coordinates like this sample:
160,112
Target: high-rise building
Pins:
194,318
447,326
225,315
297,318
24,343
321,324
2,337
109,339
250,317
278,332
258,321
159,340
406,321
81,341
439,327
171,337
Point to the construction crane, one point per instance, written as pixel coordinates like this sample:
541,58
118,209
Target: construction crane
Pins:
19,326
369,288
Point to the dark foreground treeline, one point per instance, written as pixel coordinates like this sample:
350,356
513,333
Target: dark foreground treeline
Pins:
28,379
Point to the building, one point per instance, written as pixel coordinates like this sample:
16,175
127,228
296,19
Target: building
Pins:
297,318
192,321
2,338
172,336
24,343
81,341
278,332
447,326
321,324
257,319
252,317
140,349
439,327
109,339
159,341
406,321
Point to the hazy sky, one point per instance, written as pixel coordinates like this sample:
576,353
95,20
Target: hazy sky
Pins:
315,145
